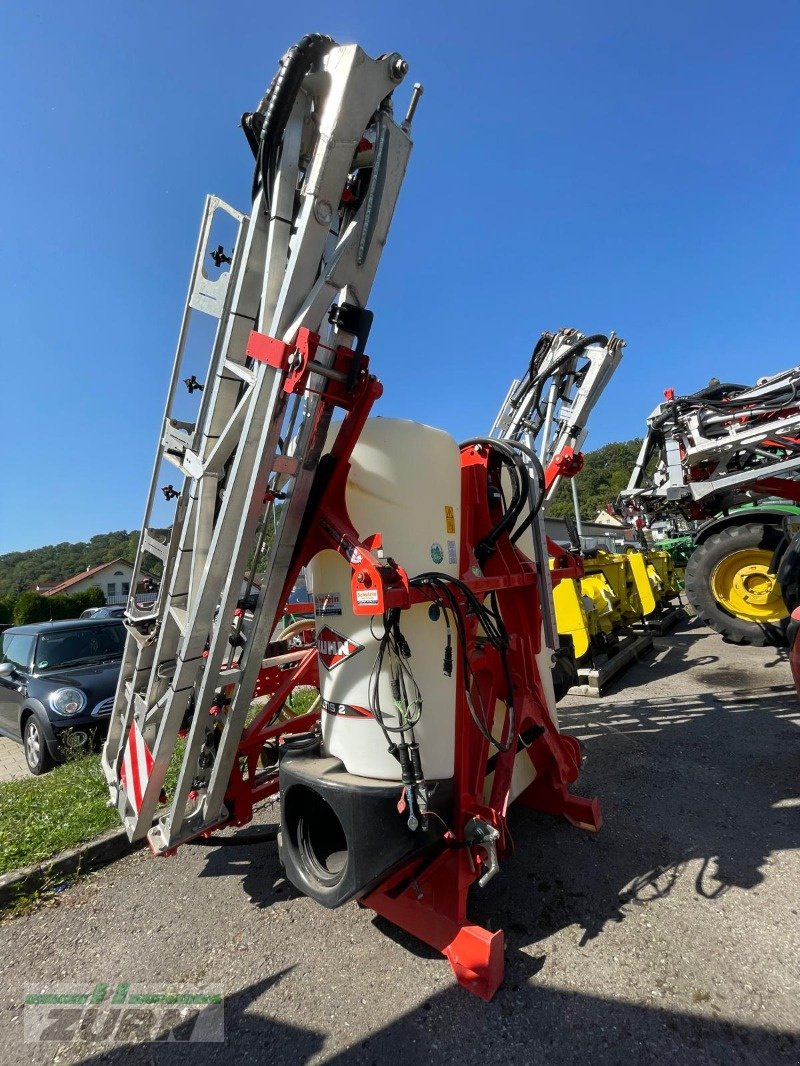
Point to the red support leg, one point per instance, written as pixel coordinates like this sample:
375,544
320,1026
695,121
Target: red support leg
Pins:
549,792
430,903
555,798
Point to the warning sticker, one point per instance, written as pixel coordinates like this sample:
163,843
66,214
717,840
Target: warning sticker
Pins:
366,597
450,519
327,603
452,553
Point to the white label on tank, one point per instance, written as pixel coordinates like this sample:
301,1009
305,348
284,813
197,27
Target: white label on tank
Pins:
452,553
327,603
366,596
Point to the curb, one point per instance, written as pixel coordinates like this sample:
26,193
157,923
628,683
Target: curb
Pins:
112,845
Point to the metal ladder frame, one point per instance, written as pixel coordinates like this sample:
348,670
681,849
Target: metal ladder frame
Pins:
576,382
252,444
577,376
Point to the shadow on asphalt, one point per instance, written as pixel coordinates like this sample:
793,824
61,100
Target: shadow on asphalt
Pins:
709,779
520,1026
678,651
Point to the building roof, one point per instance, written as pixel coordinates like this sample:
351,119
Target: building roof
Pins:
82,577
606,519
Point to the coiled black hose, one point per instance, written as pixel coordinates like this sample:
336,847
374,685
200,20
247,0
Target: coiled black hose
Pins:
264,128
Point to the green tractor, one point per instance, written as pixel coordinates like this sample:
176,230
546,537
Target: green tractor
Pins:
731,575
727,460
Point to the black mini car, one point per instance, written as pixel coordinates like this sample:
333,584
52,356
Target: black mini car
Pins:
57,684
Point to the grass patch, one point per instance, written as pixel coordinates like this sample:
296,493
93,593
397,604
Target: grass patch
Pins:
300,701
42,816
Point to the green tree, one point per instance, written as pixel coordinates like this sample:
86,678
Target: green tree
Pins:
605,474
33,607
57,562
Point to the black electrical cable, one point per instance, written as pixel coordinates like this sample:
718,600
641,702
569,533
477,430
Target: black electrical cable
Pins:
491,622
394,644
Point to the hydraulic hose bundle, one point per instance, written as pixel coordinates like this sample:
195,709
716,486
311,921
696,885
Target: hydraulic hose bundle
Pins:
539,373
264,127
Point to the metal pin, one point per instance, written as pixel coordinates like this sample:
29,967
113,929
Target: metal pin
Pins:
416,92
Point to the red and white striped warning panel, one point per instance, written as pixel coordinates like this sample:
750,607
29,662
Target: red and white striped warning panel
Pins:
136,767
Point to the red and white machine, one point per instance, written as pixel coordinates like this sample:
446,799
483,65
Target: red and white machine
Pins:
436,708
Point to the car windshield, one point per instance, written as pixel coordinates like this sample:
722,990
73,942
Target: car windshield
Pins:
71,647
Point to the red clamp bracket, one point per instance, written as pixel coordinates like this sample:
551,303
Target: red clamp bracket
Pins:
298,361
293,359
567,463
375,585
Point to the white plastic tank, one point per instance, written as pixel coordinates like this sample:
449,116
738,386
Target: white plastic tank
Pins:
405,483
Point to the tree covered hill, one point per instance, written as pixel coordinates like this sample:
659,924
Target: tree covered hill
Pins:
605,474
57,562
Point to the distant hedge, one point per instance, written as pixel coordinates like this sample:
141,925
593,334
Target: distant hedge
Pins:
7,609
33,607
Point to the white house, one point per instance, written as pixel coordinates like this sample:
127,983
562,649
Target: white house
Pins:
114,580
605,519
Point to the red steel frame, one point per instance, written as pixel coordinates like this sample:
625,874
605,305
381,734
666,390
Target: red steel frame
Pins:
428,895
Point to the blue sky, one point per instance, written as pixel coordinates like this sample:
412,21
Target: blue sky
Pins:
625,165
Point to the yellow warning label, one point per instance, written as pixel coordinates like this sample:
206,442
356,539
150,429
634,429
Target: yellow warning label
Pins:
450,519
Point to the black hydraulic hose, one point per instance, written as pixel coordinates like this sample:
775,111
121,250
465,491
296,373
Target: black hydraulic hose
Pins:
520,484
538,348
577,348
537,380
539,469
278,101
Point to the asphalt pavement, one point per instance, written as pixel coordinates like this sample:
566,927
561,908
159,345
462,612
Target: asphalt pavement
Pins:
672,936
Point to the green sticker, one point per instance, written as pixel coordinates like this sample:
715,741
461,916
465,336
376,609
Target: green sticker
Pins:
436,552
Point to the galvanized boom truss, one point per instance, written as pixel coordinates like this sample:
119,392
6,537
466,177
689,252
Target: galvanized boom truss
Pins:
330,163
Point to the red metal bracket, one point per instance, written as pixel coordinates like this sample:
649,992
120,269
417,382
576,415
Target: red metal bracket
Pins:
567,463
429,901
298,361
293,359
569,565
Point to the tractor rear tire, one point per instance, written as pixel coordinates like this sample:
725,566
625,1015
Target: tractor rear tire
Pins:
789,574
728,586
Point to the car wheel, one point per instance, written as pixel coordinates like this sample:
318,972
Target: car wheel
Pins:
37,756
